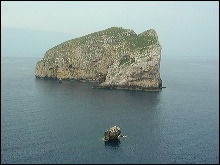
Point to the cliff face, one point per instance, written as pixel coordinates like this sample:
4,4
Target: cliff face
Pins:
115,57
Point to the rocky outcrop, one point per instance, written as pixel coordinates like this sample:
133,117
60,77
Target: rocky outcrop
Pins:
115,57
112,134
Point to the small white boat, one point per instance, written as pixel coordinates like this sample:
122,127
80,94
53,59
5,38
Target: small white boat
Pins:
60,80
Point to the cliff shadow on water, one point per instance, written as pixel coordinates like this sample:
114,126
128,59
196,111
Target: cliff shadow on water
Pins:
113,143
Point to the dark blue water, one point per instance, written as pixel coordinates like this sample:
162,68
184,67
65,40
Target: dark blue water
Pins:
43,121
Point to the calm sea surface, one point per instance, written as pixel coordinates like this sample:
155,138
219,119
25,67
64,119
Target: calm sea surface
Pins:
43,121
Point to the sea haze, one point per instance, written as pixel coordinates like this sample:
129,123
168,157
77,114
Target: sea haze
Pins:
43,121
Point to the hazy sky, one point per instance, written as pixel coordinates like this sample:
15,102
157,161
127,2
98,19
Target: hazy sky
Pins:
191,24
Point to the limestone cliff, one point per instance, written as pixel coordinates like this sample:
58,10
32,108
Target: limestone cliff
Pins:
115,57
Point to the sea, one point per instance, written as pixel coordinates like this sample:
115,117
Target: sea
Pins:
46,122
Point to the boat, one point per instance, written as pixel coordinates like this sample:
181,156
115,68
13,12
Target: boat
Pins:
59,80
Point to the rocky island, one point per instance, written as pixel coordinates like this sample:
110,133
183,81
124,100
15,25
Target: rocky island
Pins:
115,58
112,134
